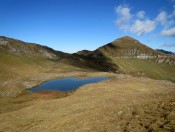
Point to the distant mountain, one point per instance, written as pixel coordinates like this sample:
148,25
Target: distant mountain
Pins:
166,52
84,52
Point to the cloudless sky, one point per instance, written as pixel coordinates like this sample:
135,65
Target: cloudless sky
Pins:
73,25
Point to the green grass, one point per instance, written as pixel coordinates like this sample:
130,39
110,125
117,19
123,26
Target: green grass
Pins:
139,67
12,66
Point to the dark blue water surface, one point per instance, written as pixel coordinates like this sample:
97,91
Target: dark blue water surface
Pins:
66,84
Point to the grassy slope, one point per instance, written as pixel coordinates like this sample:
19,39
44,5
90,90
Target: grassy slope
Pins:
130,47
20,72
12,66
139,67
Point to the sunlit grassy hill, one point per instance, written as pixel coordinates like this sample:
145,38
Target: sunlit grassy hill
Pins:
135,58
20,60
128,55
127,47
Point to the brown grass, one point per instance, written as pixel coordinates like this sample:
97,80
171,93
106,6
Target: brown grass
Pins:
123,103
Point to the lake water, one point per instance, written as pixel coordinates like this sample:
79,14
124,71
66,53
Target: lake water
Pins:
66,84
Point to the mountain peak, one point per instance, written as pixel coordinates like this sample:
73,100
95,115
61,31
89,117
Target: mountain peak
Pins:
127,38
128,47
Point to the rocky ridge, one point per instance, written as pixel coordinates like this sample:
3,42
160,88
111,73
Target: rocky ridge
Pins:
18,47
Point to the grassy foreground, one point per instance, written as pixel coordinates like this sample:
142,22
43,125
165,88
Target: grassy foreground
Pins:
123,103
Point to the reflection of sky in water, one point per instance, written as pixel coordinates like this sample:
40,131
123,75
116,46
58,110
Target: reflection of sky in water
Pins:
66,84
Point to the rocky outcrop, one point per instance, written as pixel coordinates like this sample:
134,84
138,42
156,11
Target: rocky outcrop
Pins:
166,52
165,59
146,56
3,42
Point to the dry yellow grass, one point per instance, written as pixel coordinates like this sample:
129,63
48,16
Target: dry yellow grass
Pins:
123,103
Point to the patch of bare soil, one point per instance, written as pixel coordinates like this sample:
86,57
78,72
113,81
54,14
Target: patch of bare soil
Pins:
123,103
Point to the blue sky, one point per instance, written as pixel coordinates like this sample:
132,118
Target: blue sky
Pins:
73,25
